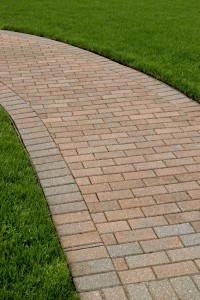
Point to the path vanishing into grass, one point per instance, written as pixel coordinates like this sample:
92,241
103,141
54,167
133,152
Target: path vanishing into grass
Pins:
117,154
159,37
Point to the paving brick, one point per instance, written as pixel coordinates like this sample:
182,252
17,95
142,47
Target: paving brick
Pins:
67,208
185,288
103,206
135,235
110,227
191,239
189,205
146,260
114,195
97,281
127,184
161,209
162,290
53,173
62,189
175,269
79,227
172,197
124,249
170,230
87,254
138,291
90,295
71,217
161,244
138,175
137,275
136,202
184,254
114,293
64,198
92,267
78,240
147,222
124,214
183,217
57,181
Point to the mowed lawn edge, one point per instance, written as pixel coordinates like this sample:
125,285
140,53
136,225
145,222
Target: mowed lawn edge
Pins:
32,264
159,38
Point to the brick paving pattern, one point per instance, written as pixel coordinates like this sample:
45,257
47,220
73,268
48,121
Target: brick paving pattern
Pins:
118,156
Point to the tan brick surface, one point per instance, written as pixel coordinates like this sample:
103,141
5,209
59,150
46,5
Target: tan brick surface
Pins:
117,155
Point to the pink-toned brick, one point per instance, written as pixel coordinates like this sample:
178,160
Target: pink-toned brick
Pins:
176,269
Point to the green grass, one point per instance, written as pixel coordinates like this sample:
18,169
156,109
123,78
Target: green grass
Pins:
32,263
159,37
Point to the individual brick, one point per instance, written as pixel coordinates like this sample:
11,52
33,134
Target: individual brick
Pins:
64,198
160,209
135,235
184,254
175,269
161,244
97,281
136,202
92,267
124,214
183,217
138,291
189,205
148,191
170,230
97,207
124,249
147,222
62,189
90,295
110,227
137,275
162,289
77,240
114,293
67,208
71,217
172,197
79,227
114,195
185,288
87,254
146,260
182,186
190,239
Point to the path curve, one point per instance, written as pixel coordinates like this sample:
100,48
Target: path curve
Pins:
118,156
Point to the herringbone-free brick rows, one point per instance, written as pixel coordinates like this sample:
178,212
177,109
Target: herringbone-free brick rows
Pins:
118,156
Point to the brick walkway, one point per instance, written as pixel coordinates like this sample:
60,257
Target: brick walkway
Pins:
117,154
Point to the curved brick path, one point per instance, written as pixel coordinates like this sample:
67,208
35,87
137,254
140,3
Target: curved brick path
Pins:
118,156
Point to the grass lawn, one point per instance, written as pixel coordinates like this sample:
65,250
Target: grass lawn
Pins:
32,263
159,37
